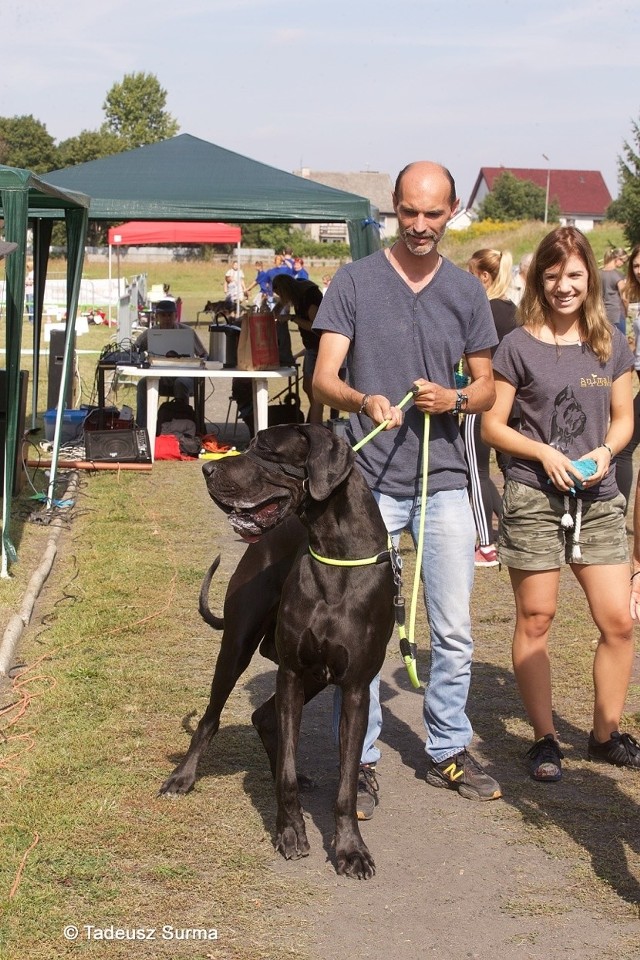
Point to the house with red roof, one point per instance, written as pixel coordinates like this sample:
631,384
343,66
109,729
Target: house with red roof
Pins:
582,195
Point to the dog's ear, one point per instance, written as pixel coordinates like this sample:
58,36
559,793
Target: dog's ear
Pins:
330,460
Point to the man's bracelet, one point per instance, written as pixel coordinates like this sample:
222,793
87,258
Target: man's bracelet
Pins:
607,447
634,575
365,401
461,403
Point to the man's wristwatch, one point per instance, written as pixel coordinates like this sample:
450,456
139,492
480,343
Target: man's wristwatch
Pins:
461,403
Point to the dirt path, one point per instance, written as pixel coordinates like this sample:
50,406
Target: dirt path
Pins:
454,878
457,878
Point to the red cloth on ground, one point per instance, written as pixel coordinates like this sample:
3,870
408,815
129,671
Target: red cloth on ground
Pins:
168,448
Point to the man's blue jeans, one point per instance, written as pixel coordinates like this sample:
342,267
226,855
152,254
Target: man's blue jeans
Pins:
447,572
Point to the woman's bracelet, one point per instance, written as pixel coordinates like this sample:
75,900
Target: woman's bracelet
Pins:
365,401
631,578
607,447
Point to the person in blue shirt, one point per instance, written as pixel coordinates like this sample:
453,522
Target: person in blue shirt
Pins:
264,296
299,271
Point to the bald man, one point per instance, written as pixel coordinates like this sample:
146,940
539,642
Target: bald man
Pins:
401,317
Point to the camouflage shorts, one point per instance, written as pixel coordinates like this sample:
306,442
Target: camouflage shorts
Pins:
531,536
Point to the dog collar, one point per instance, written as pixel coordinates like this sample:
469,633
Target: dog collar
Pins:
381,557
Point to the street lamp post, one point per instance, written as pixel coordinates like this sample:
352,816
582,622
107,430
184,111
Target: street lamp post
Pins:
546,199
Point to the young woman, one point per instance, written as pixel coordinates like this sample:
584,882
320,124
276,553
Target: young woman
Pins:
612,282
631,295
494,269
570,371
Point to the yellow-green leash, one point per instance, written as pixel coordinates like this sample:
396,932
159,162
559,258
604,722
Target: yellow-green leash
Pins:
408,646
382,425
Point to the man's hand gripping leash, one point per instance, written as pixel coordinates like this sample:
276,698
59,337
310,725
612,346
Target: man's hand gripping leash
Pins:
408,646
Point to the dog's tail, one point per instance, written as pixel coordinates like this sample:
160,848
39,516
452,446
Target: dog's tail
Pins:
203,603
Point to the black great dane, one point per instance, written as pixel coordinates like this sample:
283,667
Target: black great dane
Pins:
298,499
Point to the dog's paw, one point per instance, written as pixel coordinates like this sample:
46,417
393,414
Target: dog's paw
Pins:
292,844
176,785
357,864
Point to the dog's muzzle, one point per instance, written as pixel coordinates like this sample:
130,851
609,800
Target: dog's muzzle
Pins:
255,493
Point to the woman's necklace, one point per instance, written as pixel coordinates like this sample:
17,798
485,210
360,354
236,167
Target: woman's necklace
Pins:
567,341
571,338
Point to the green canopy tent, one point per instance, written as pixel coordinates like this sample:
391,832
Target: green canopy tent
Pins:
186,178
25,197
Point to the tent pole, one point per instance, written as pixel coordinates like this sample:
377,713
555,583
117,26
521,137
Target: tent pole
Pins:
238,284
118,260
76,222
109,286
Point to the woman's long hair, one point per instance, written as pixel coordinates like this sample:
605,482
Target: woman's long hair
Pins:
632,284
499,265
291,291
534,310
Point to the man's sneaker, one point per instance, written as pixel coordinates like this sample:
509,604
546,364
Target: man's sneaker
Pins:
486,557
464,774
368,791
622,750
544,759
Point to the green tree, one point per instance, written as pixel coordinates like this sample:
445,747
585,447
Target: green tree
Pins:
514,199
25,142
88,145
626,209
135,111
273,235
279,236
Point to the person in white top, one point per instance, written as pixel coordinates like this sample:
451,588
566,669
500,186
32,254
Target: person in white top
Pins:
520,278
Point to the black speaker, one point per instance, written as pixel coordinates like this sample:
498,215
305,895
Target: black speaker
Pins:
117,446
19,474
56,360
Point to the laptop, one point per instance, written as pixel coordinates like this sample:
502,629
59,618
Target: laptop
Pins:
179,342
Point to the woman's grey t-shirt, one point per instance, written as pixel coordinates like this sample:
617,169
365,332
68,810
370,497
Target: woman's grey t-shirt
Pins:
613,303
398,336
564,394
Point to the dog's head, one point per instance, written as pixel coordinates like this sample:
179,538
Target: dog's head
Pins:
282,467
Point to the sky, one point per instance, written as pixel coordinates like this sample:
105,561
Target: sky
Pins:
346,85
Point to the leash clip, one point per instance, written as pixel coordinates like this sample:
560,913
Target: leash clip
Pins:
396,566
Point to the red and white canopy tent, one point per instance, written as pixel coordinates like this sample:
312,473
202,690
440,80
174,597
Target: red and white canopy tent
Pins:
140,232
